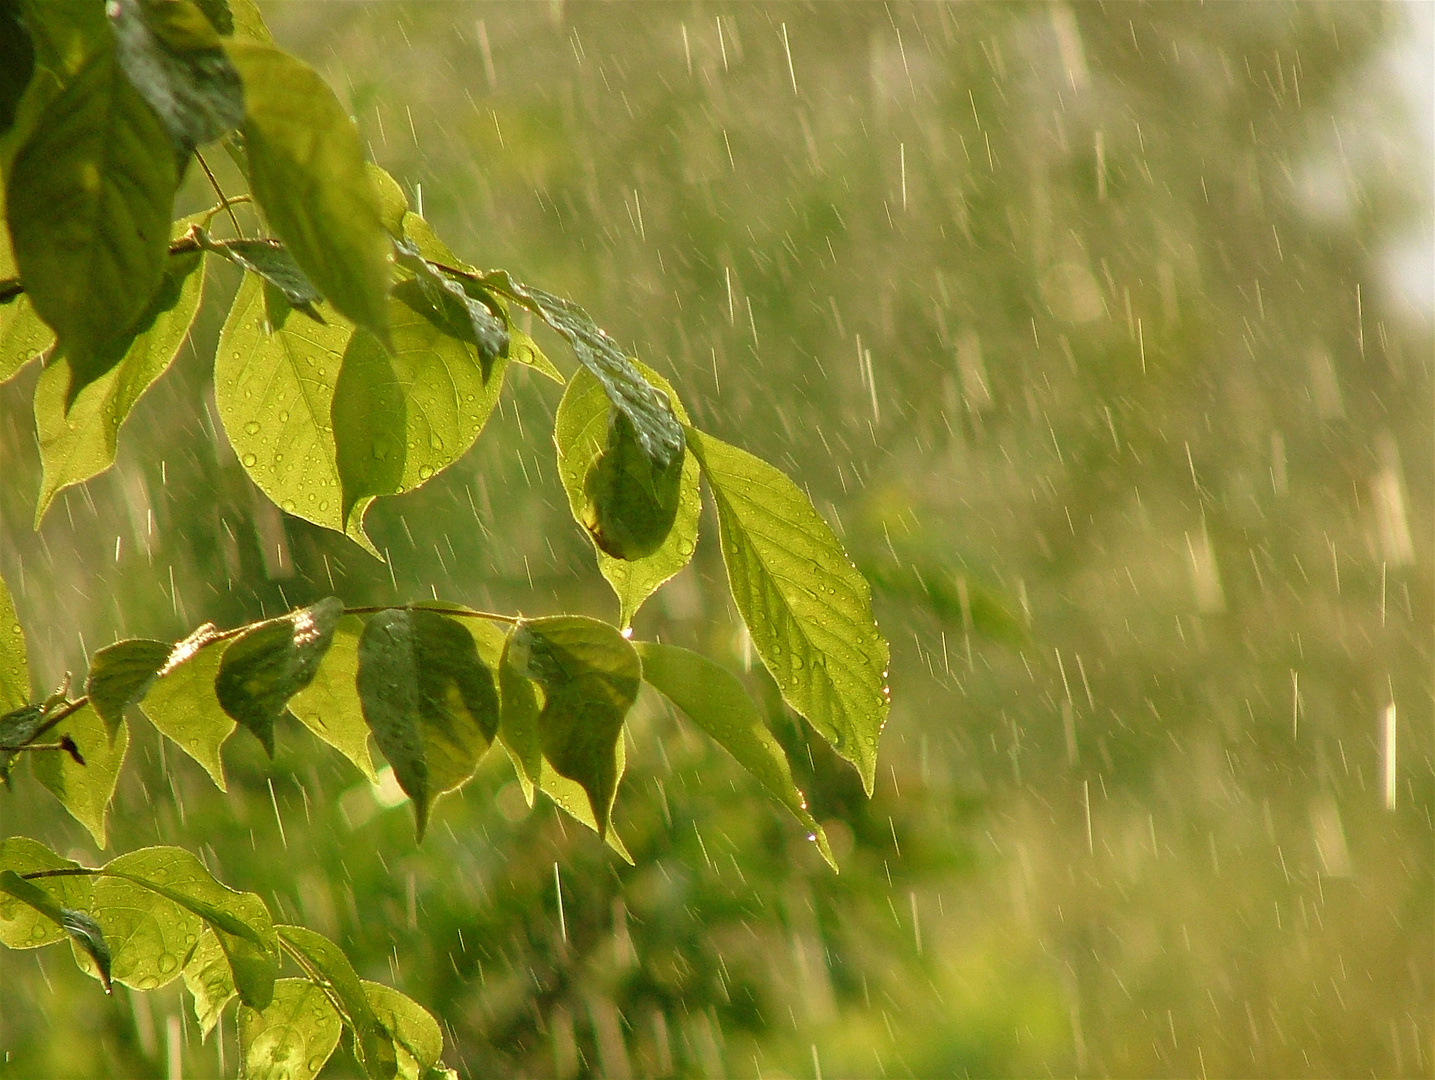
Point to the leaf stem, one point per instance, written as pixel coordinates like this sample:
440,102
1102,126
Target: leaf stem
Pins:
460,613
223,199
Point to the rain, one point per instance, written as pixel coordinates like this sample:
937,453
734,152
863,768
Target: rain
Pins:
1102,338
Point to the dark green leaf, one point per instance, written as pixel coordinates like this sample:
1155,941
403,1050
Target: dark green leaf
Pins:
715,700
171,53
271,261
569,796
218,14
808,610
373,1043
293,1037
469,317
82,928
271,663
88,200
18,726
658,431
307,169
518,722
66,33
416,1034
182,703
22,926
631,501
85,790
429,700
121,674
17,62
209,979
329,705
590,677
14,665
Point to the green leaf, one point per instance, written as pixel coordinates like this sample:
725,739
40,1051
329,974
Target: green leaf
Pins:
590,677
329,705
271,261
66,33
248,23
518,722
466,316
14,662
84,790
78,432
293,1037
393,203
182,703
417,1036
149,899
17,63
218,14
266,666
307,170
715,700
84,932
88,200
580,429
658,431
209,980
403,415
808,610
23,336
22,925
171,53
631,502
569,796
373,1043
429,700
121,674
522,349
274,388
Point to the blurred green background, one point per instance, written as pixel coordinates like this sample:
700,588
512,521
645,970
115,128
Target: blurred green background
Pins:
1102,335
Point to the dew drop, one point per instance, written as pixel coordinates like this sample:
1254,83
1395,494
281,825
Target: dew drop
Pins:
252,428
249,461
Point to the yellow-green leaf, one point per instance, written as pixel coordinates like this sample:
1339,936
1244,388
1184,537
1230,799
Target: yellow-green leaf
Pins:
182,703
84,790
293,1037
329,705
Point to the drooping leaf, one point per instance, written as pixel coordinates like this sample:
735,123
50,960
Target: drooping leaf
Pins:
590,677
580,430
307,170
468,316
219,15
266,666
393,203
522,349
518,723
209,980
271,261
17,63
416,1034
182,703
171,53
78,433
66,33
401,416
808,610
274,377
88,199
121,674
373,1043
14,662
84,932
22,925
658,430
715,700
293,1037
157,894
631,502
329,705
569,796
429,700
23,336
84,790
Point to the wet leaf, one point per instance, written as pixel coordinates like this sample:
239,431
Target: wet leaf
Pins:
307,170
182,703
248,23
715,700
809,612
569,796
466,316
429,700
590,677
373,1044
88,201
393,203
14,662
84,932
271,261
171,53
293,1037
23,336
209,980
518,723
631,502
329,705
121,674
266,666
84,790
417,1036
22,925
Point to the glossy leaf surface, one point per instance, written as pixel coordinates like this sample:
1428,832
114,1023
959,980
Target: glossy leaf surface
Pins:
293,1037
373,1045
22,926
417,1036
270,260
85,934
208,978
14,658
85,790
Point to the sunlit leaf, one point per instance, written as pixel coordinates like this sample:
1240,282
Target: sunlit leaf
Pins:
248,23
266,666
78,435
121,674
23,336
307,170
182,703
271,261
22,925
88,201
209,980
465,315
518,723
590,677
429,700
84,932
715,700
171,53
808,610
329,705
522,349
569,796
293,1037
373,1043
393,203
416,1034
84,790
580,430
14,662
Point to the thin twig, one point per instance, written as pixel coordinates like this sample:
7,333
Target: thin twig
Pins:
461,613
223,199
